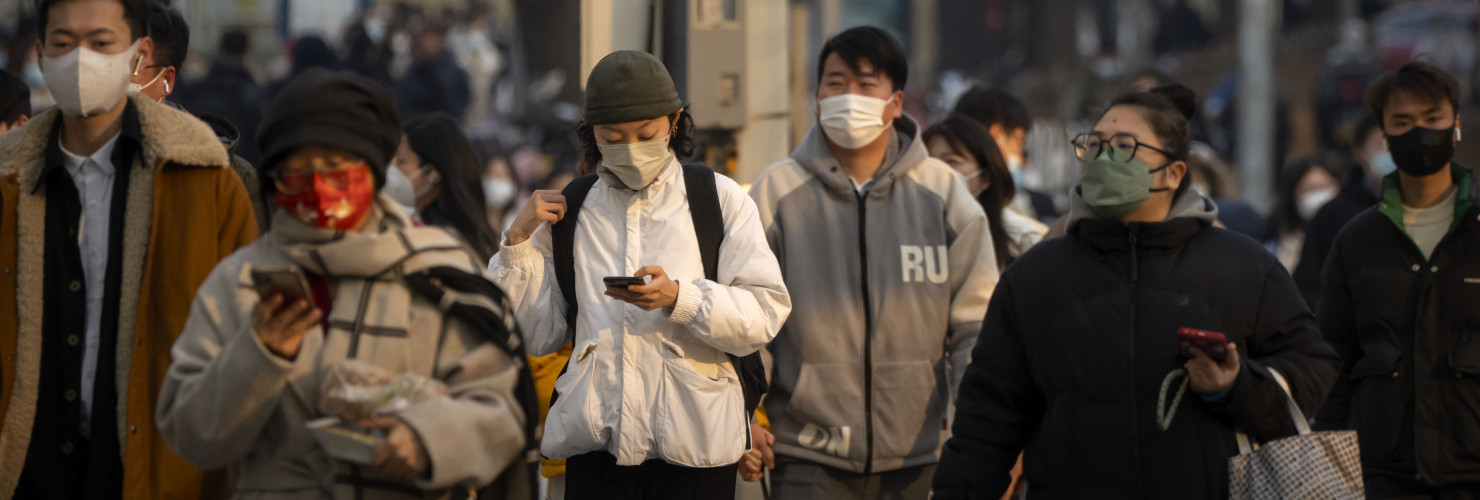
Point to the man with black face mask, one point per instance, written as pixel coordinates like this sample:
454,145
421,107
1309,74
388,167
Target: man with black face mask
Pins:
1401,302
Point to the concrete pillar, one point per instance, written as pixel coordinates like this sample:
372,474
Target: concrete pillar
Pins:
765,138
1259,25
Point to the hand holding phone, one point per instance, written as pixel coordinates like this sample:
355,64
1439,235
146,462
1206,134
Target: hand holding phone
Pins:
286,311
1217,369
1210,343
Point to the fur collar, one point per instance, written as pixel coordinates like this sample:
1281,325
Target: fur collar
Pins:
171,137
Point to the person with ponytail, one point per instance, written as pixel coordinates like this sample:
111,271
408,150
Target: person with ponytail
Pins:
1080,347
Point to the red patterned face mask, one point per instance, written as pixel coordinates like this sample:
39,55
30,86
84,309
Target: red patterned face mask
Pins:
331,200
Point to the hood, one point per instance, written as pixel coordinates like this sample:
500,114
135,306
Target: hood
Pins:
906,151
1190,204
225,131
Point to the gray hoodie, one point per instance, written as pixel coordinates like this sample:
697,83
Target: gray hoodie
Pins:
889,289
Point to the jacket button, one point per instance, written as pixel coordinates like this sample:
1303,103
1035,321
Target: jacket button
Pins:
1395,374
1415,268
72,340
75,286
1434,269
67,448
133,429
71,394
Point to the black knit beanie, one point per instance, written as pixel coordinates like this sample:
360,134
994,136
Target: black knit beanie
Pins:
332,109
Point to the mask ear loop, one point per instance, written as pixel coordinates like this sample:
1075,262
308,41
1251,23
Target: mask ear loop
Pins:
1158,169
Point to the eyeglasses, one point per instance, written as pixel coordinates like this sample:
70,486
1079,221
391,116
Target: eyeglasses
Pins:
297,175
1122,147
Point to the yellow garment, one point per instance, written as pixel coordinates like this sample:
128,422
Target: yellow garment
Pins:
546,369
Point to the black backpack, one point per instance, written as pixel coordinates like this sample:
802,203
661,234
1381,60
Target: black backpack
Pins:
709,228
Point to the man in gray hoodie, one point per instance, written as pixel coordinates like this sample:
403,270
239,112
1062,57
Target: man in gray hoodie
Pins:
890,265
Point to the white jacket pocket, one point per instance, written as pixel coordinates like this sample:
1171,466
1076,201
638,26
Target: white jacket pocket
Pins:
571,427
700,420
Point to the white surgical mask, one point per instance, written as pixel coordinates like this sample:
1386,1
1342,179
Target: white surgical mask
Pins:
853,121
1382,164
85,83
1308,205
637,164
399,188
498,192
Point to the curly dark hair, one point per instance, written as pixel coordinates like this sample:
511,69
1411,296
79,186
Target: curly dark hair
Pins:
682,141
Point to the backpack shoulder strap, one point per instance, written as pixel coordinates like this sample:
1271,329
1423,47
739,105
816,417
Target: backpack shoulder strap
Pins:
562,239
709,220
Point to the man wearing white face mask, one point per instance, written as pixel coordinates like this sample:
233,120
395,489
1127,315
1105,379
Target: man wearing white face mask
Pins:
154,77
654,400
890,262
113,209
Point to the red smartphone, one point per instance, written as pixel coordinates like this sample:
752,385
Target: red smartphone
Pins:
1210,343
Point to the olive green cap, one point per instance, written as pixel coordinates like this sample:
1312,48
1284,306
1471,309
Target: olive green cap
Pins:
629,85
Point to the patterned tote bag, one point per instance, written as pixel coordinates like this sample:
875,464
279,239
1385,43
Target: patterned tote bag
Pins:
1311,465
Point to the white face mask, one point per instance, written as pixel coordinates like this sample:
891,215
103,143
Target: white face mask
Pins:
1308,205
637,164
399,188
498,192
85,83
1382,164
853,121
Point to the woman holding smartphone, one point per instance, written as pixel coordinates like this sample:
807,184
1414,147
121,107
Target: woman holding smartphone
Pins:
651,404
1083,330
344,276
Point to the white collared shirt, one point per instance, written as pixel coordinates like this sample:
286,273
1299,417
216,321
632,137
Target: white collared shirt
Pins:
93,176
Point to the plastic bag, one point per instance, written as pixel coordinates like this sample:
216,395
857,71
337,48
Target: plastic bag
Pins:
355,391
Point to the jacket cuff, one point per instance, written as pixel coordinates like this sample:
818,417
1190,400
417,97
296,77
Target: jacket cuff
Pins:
523,251
687,305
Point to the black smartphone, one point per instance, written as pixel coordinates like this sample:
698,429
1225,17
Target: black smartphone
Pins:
287,281
623,281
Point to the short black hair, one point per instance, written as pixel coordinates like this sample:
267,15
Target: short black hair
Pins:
1417,79
135,13
15,98
991,107
867,43
171,35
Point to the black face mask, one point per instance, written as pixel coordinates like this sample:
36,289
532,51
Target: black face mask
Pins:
1422,151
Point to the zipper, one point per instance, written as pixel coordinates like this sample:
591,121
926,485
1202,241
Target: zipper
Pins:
1135,395
868,343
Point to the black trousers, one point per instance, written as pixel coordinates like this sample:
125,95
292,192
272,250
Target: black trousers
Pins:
596,476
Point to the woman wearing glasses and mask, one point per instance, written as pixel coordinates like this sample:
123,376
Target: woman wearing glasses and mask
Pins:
345,276
1083,331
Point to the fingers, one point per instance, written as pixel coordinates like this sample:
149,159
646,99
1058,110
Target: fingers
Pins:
655,271
1231,362
768,457
304,322
750,466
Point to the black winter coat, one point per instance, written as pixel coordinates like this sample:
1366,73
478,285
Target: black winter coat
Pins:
1081,332
1408,331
